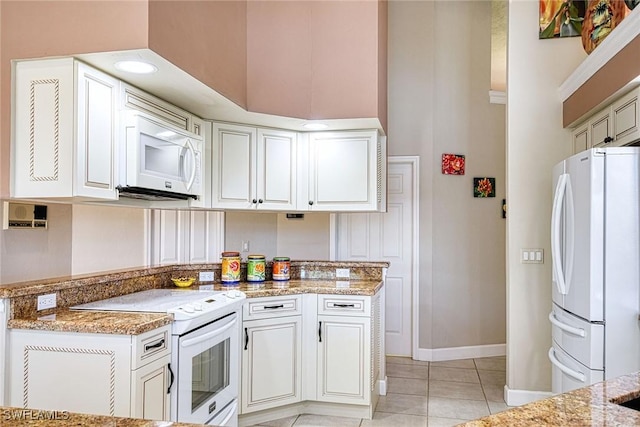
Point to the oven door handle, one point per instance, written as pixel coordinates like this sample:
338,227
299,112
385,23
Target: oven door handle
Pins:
208,335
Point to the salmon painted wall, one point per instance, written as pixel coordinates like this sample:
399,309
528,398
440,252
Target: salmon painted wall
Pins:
300,80
33,29
207,39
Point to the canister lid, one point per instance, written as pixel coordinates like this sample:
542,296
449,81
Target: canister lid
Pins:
255,257
281,258
230,254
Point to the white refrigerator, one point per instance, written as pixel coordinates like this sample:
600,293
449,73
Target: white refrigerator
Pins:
595,251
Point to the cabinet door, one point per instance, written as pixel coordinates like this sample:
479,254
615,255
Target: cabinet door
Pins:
580,138
276,170
234,161
600,126
96,133
344,171
149,386
43,138
271,363
205,239
344,359
625,117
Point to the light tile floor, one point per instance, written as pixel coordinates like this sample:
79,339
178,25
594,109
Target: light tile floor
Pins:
426,394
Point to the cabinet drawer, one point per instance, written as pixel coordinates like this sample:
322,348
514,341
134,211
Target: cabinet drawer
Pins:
260,308
150,346
350,305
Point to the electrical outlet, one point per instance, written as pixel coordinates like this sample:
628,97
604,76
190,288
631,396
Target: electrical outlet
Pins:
245,246
46,301
342,272
206,276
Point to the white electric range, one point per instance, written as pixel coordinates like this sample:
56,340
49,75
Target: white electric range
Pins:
205,340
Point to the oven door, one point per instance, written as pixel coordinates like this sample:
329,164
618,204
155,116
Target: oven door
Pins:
207,376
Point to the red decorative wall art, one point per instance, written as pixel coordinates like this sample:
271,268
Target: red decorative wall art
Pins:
453,164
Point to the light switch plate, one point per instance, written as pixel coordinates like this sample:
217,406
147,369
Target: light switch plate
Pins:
342,272
532,256
206,276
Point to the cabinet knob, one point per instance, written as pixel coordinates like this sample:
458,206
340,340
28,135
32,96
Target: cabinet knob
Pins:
254,201
260,200
310,202
608,140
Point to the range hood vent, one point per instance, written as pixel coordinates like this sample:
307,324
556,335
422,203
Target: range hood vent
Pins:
149,194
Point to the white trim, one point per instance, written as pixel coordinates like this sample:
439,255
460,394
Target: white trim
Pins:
466,352
624,33
333,233
382,386
522,397
497,97
414,161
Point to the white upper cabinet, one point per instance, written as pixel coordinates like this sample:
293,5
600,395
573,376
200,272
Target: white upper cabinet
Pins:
65,131
344,171
253,168
616,125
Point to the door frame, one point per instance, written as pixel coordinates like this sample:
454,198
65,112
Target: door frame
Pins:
414,162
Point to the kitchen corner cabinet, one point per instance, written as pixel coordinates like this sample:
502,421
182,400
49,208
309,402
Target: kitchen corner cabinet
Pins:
271,353
65,131
340,361
116,375
254,168
614,126
344,171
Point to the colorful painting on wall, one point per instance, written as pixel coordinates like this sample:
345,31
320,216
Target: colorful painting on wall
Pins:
601,17
453,164
484,187
561,18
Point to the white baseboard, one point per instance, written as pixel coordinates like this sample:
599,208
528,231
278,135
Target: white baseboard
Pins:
468,352
521,397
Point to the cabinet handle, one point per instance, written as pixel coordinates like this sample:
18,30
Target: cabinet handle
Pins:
310,202
246,338
172,378
260,200
254,201
344,305
320,332
608,140
273,307
156,345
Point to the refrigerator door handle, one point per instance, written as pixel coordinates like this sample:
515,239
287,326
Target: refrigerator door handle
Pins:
556,215
570,329
568,371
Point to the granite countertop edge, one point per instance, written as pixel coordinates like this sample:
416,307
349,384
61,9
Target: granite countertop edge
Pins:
595,405
131,323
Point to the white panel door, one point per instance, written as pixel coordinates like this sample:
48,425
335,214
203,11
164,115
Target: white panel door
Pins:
388,237
276,169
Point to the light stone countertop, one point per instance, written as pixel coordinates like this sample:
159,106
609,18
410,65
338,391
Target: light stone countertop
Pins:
595,405
21,417
129,323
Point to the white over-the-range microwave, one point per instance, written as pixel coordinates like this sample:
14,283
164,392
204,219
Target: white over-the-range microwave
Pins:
158,160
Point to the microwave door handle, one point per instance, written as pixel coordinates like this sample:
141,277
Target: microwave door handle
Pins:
192,151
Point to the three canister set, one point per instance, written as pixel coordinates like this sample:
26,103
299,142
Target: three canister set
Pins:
256,268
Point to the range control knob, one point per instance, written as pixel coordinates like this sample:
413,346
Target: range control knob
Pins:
188,308
197,306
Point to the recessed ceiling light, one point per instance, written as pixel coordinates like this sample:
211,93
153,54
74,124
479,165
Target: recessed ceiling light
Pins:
315,126
137,67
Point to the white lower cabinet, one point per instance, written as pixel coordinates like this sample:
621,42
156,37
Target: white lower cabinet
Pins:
313,349
116,375
271,361
343,359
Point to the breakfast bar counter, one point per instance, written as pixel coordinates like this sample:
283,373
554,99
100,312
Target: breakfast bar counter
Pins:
596,405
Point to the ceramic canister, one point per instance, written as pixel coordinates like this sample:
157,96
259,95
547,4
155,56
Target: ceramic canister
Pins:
256,267
230,267
280,268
